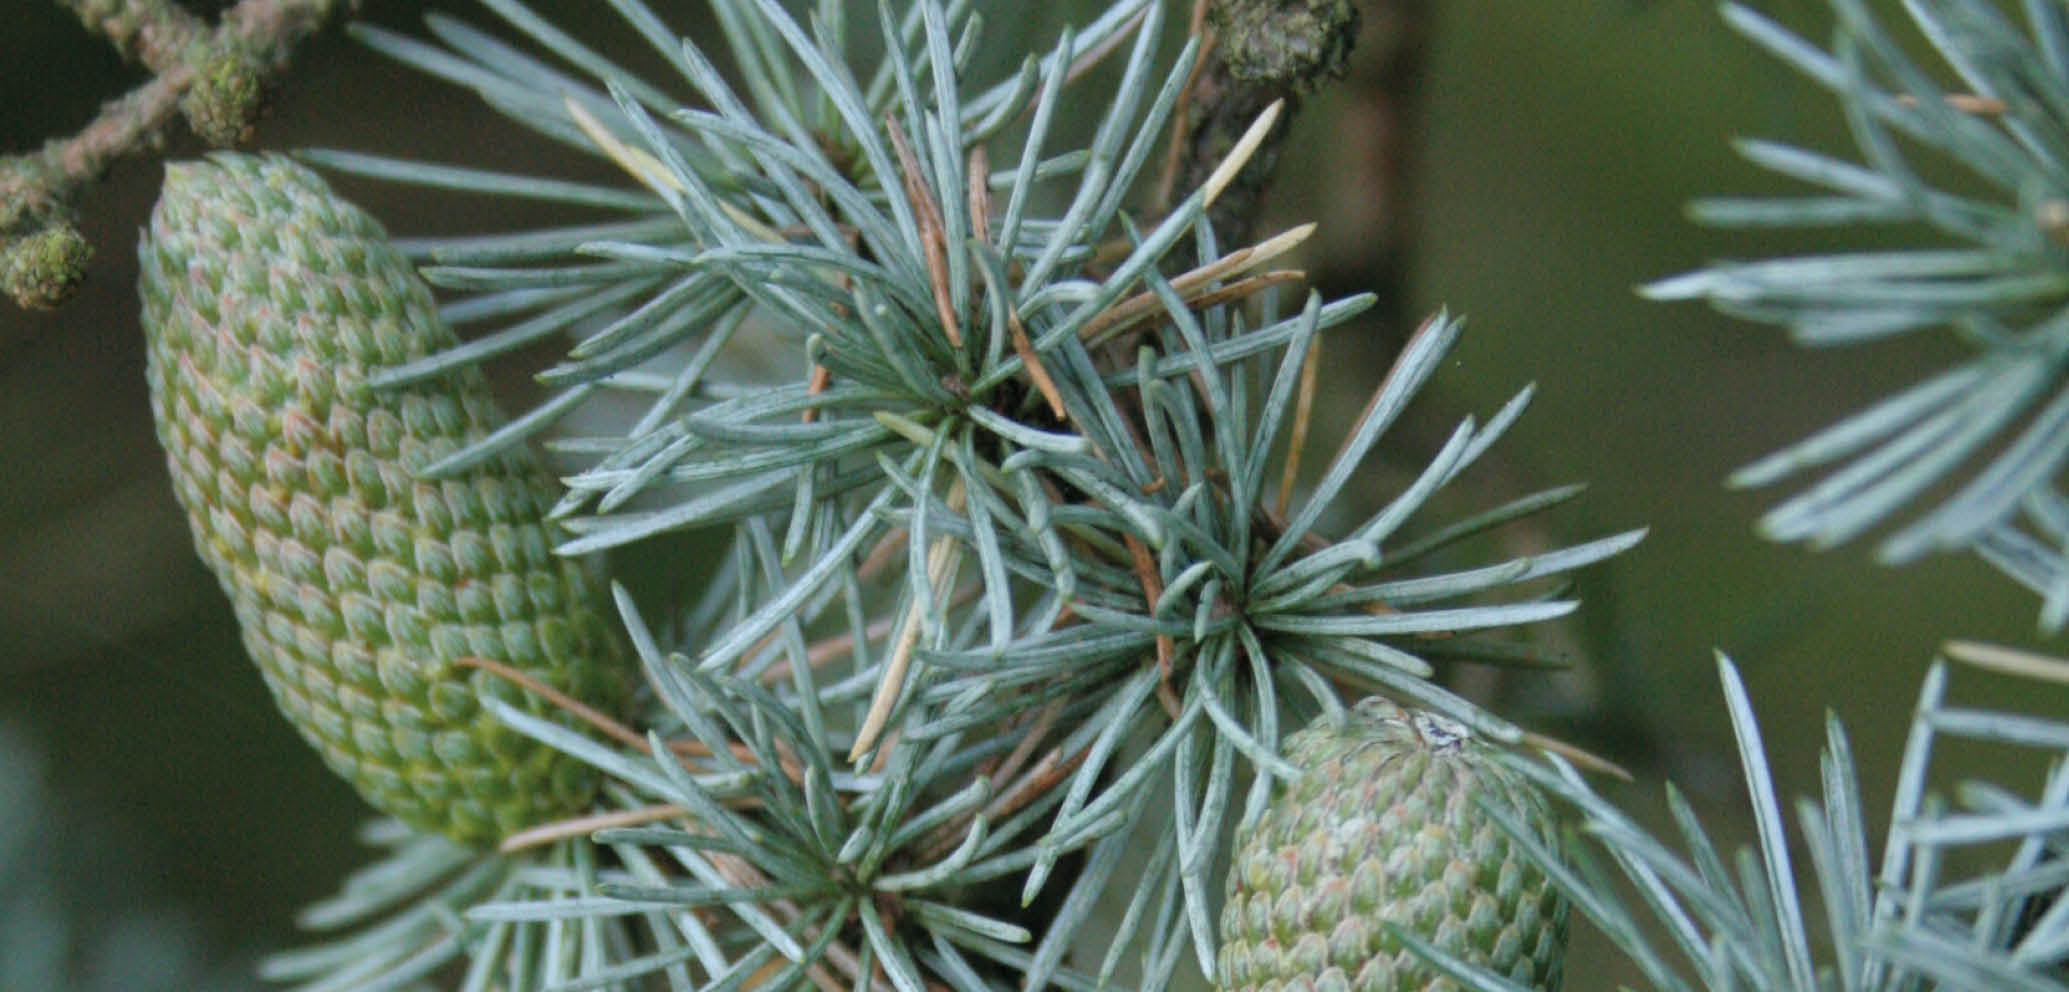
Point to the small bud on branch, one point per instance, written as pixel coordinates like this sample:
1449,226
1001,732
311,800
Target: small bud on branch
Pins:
216,78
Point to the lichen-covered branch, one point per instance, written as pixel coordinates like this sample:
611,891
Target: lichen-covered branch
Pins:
1260,51
152,33
216,78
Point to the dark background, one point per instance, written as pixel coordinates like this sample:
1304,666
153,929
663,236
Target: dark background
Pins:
1557,147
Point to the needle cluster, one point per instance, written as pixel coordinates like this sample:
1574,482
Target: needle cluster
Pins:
1021,575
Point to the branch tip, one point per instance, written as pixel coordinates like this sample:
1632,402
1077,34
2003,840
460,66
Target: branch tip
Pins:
43,269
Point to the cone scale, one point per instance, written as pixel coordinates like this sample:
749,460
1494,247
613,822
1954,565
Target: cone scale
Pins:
358,583
1386,825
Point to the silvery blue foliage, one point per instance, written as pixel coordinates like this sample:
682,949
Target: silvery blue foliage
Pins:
1012,555
1964,894
1990,267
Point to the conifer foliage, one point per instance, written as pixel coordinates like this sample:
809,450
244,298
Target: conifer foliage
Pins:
1026,568
1021,575
1990,267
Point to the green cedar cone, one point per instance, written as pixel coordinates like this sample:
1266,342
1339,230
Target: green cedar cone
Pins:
1386,826
268,302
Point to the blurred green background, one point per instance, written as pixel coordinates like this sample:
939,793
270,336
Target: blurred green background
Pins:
1556,146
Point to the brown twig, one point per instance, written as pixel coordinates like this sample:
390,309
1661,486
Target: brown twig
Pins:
690,747
1174,150
1034,783
1153,590
153,33
1036,372
789,765
1045,775
1044,721
933,236
880,557
1090,58
980,225
1192,285
740,874
1296,438
977,193
1261,51
582,826
2008,661
216,77
820,378
826,650
942,559
1967,103
566,703
1578,755
821,652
